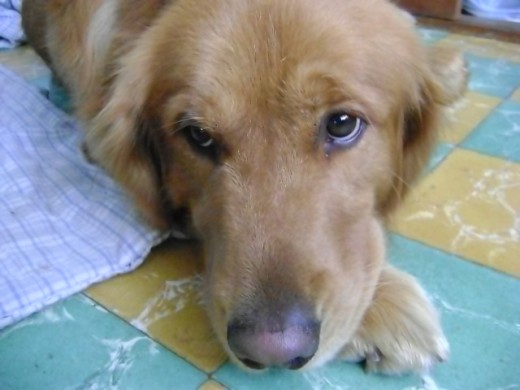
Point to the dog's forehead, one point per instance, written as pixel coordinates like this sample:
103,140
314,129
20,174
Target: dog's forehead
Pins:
294,58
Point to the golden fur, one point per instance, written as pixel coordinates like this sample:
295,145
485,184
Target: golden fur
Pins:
280,218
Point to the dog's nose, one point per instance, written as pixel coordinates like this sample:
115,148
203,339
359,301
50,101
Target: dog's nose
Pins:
289,340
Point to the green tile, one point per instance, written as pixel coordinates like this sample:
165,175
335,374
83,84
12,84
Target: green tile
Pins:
496,77
333,376
59,96
499,133
78,345
439,154
54,91
480,313
43,82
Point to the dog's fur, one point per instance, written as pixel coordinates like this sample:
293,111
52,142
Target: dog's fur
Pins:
281,218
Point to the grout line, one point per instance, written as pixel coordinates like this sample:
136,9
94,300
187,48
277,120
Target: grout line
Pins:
450,254
111,311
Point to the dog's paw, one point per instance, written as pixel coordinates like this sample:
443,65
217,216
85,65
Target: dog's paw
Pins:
401,331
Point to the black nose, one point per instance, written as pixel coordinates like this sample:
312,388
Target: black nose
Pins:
289,339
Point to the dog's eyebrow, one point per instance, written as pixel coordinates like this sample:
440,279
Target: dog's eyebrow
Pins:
187,119
180,122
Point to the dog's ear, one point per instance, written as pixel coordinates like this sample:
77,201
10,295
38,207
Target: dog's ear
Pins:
441,82
124,138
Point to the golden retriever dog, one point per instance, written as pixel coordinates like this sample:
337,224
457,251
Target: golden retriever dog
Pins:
281,134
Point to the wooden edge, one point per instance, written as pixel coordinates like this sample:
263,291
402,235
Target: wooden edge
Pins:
443,9
471,25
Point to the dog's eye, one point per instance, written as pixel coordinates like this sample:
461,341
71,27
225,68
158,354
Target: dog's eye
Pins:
200,137
202,142
343,128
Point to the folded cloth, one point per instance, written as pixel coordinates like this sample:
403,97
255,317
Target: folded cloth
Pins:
11,33
64,224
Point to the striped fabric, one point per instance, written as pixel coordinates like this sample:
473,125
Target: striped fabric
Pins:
64,224
11,33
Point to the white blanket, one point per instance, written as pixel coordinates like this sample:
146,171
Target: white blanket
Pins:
11,33
64,224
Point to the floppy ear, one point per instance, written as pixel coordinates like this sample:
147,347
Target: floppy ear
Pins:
125,140
441,83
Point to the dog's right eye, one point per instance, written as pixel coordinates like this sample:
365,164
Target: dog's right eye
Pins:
201,141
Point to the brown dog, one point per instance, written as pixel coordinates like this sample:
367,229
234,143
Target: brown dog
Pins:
281,134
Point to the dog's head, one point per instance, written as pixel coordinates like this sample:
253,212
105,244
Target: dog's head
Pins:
282,132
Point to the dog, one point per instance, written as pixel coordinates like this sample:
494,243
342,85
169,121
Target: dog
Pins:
282,135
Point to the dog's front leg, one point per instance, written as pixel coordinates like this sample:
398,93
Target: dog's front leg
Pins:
401,330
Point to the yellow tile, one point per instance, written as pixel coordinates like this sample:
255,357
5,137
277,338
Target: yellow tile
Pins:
483,47
25,62
466,114
212,385
516,95
469,206
162,298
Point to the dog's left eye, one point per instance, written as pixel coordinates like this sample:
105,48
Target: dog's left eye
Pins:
343,128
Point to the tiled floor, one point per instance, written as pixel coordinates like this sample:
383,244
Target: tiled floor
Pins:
459,233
